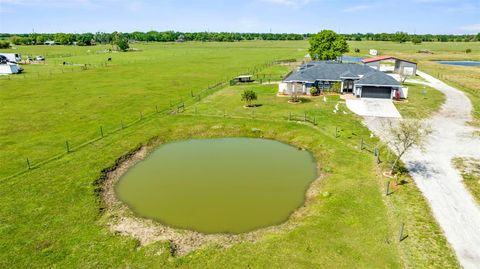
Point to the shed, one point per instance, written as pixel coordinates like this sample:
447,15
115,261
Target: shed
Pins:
403,67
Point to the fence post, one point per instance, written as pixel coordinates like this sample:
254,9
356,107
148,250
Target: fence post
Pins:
400,236
191,93
290,116
101,131
336,132
361,144
156,108
305,116
387,188
67,146
28,164
314,120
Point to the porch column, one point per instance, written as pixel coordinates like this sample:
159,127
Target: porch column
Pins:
341,88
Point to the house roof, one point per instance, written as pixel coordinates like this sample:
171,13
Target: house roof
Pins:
333,71
383,58
377,78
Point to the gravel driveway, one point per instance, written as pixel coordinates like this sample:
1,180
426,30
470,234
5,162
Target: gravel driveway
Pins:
451,203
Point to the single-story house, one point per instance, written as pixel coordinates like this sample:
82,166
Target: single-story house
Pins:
402,66
360,80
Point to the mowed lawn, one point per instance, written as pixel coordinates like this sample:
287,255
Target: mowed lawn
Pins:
422,101
45,108
51,217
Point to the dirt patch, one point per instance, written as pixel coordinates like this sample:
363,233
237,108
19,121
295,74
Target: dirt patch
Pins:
123,221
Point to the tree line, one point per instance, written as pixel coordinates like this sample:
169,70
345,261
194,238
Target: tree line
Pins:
87,39
402,37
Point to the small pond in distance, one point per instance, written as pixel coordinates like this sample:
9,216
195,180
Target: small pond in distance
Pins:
224,185
462,63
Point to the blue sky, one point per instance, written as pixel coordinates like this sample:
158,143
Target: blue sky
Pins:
295,16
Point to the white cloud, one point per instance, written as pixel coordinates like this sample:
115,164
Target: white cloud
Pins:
474,28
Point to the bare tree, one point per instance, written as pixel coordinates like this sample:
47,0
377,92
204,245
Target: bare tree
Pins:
406,134
403,77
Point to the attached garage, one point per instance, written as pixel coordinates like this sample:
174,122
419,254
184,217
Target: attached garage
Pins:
376,92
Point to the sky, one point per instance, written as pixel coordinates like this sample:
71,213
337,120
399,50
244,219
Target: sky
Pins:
276,16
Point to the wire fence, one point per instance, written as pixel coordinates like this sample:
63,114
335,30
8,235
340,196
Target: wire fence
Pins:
175,107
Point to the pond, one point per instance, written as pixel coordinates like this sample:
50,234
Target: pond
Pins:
222,185
462,63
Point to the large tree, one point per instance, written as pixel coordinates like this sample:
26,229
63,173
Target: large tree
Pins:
327,45
119,41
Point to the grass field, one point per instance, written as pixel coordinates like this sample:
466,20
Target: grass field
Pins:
51,217
466,78
470,169
422,101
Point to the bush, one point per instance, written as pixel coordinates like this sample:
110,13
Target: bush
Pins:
416,41
357,50
4,44
314,91
468,50
336,87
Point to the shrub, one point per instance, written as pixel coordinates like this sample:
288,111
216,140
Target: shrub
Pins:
249,96
357,50
468,50
336,87
4,44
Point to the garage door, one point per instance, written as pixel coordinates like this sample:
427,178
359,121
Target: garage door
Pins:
376,92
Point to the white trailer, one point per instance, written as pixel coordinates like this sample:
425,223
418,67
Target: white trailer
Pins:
12,57
7,69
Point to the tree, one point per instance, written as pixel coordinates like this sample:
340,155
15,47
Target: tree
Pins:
4,44
405,135
416,40
119,41
400,37
327,45
249,96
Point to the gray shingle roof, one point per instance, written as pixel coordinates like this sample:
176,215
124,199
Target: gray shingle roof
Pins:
377,78
333,71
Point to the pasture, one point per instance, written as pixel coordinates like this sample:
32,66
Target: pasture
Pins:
52,216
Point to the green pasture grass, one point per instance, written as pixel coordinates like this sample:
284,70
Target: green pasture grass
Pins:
422,101
50,216
43,110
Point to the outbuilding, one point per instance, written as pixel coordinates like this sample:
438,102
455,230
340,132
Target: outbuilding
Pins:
402,67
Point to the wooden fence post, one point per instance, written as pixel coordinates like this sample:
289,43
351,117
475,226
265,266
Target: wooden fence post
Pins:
101,131
28,164
290,116
361,145
400,236
387,188
67,146
305,116
156,108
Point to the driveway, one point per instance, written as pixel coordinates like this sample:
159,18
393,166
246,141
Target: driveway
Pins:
440,182
373,107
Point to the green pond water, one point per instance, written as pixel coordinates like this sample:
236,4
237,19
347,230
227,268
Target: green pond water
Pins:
226,185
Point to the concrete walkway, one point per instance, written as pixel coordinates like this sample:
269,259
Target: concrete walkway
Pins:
373,107
441,183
